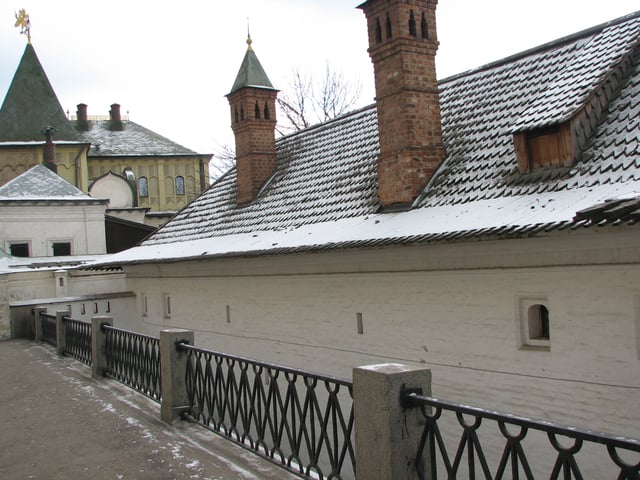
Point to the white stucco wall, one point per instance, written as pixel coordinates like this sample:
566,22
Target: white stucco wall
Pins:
42,224
26,285
462,322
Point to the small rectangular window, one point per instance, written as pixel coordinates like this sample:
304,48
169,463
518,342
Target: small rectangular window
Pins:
19,249
61,249
167,305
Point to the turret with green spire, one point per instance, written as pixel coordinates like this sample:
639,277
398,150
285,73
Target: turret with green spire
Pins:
253,119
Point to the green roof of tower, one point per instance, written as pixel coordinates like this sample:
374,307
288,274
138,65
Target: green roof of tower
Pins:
31,105
251,73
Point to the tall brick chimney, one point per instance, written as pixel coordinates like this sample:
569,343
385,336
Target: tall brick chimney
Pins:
253,119
82,119
402,46
115,118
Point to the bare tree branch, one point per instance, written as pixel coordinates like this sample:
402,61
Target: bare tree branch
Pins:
224,159
307,101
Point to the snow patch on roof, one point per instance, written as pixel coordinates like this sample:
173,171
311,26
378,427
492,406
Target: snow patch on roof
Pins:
526,210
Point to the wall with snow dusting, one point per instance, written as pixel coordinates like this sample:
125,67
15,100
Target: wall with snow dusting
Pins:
463,322
40,224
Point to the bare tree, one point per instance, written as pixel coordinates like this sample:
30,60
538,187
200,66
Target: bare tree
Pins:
224,159
308,101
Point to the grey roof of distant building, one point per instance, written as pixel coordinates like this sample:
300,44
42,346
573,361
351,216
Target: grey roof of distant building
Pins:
132,140
40,183
323,193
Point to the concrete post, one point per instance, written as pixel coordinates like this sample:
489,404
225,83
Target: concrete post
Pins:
173,368
37,323
61,331
98,353
386,435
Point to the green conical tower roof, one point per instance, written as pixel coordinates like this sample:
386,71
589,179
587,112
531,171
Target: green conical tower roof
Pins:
31,105
251,73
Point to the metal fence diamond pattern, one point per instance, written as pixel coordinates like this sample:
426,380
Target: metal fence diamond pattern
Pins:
300,420
567,442
134,359
78,340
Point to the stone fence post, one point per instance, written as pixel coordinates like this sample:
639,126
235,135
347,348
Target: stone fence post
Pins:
98,338
61,331
173,368
387,435
37,323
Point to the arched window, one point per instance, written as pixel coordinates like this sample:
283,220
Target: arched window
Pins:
424,27
388,27
257,111
267,113
143,187
538,318
179,185
378,31
412,25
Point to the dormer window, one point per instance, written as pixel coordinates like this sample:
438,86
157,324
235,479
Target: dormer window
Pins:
546,147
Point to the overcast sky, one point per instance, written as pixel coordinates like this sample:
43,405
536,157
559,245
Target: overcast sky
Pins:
170,64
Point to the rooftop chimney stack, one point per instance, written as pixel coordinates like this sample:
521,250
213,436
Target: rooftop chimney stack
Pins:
402,46
49,150
82,118
114,116
252,101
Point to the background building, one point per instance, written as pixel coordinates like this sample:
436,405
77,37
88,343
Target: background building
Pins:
166,176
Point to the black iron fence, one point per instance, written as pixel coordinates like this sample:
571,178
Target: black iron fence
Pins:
560,451
78,340
305,421
300,420
49,328
134,359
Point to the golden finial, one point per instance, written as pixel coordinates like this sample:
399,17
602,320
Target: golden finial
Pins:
249,41
22,21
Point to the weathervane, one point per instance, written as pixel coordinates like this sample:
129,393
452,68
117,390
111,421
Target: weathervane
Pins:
22,21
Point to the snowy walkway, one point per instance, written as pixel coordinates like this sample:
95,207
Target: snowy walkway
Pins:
56,422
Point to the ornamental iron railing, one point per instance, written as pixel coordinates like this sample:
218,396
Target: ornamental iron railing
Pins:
506,442
299,420
49,328
78,340
134,359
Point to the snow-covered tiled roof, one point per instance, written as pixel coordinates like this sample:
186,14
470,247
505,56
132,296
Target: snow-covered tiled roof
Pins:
39,183
323,193
131,140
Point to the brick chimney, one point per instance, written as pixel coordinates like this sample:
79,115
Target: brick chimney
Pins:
82,119
252,101
115,118
402,46
49,150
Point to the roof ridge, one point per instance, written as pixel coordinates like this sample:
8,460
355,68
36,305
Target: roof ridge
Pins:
543,47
